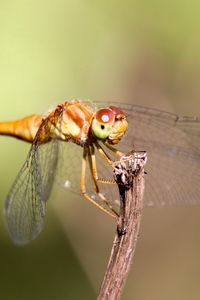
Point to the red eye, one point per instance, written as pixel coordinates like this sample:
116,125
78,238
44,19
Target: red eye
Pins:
117,111
105,115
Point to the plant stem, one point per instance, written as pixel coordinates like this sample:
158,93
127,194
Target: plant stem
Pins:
129,175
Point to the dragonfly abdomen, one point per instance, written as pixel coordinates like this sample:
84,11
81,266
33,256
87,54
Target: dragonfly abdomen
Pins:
24,129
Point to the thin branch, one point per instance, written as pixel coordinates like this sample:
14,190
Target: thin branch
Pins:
129,175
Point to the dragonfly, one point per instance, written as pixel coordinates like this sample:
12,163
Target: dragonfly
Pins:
79,139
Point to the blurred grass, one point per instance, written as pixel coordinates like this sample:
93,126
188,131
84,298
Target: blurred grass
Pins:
134,51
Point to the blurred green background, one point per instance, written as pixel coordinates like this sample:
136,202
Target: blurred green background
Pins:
146,52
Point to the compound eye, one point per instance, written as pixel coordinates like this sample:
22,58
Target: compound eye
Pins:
102,123
118,112
105,115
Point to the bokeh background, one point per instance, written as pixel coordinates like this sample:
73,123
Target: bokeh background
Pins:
144,52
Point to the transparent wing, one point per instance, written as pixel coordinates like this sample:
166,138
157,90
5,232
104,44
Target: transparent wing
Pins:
173,149
68,174
25,204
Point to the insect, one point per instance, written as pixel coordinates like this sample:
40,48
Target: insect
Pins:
78,140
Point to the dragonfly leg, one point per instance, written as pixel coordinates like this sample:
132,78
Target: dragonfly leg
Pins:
93,170
83,187
108,160
115,151
105,181
104,154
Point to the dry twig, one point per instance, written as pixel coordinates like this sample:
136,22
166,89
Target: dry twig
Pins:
129,175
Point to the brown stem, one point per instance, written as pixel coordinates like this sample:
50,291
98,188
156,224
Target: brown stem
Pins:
129,175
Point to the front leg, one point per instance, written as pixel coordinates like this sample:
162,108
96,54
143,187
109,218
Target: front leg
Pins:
114,150
86,152
93,171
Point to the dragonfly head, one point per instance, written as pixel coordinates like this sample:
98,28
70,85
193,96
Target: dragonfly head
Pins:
109,124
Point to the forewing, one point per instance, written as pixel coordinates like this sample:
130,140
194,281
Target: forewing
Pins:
25,204
173,150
